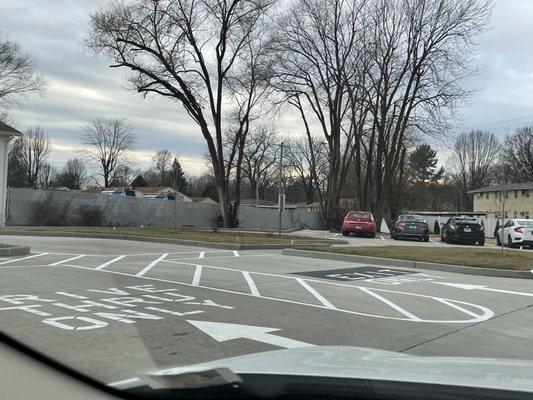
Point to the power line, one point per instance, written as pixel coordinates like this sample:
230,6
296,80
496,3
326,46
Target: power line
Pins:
497,123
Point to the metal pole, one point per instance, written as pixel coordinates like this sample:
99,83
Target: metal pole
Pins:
257,187
280,188
503,218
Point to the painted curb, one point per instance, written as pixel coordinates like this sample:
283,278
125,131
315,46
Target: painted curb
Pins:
14,251
460,269
184,242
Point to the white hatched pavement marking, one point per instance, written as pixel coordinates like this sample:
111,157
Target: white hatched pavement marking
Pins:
390,303
151,265
100,267
23,258
251,284
486,312
235,253
451,304
202,254
197,275
317,295
67,260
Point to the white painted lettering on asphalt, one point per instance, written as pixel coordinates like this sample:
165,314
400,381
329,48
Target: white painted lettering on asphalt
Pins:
92,323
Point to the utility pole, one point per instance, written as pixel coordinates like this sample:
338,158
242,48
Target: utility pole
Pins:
503,218
257,186
281,199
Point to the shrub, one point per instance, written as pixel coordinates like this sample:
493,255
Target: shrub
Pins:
436,228
90,215
49,212
497,228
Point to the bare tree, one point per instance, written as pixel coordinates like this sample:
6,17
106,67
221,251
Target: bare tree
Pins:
473,162
108,143
517,155
33,149
258,157
199,54
47,176
73,175
17,74
161,163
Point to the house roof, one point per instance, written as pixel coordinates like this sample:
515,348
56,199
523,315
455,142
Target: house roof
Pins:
506,187
207,200
6,130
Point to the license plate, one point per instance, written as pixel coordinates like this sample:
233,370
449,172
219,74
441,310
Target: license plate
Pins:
358,227
412,226
467,229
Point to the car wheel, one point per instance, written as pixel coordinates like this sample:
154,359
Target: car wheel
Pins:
426,239
481,243
510,242
344,233
372,235
498,241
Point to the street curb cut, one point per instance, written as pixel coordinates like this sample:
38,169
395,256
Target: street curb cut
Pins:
185,242
14,251
460,269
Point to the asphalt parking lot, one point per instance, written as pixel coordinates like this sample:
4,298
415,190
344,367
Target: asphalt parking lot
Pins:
115,309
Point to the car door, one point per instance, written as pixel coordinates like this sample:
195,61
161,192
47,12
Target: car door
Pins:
506,230
445,227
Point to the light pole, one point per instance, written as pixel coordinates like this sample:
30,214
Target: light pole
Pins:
257,185
281,199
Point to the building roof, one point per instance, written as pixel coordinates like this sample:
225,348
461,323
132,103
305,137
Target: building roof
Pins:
506,187
205,200
6,130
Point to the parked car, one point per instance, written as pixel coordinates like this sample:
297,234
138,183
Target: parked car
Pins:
410,226
359,222
516,232
463,230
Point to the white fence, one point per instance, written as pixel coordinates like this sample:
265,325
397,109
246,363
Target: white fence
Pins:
136,211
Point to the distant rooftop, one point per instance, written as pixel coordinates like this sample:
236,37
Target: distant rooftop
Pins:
506,187
6,130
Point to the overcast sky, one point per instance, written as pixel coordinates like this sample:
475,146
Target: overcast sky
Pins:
82,87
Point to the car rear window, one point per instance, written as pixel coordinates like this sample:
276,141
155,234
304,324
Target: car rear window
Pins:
470,221
411,218
358,214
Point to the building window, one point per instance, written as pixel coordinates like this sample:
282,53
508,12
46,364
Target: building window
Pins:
516,194
515,214
527,214
487,195
525,193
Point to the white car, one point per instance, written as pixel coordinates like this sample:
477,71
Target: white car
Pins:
516,232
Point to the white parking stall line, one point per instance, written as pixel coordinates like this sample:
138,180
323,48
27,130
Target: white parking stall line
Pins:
67,260
434,241
251,284
486,313
23,258
202,254
100,267
317,295
197,275
235,253
151,265
391,304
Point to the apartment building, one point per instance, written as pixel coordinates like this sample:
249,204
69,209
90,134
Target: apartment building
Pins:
516,200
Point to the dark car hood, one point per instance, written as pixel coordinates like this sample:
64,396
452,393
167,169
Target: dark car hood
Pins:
371,364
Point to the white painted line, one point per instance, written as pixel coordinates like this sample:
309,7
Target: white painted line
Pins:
235,253
317,295
151,265
433,241
197,275
100,267
382,238
23,258
390,303
232,256
67,260
202,254
449,303
251,284
486,312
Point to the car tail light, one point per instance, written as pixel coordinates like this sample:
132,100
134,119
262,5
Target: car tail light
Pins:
400,224
453,227
518,229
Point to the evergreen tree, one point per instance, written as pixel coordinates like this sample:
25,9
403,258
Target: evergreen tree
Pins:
178,180
139,181
436,228
423,164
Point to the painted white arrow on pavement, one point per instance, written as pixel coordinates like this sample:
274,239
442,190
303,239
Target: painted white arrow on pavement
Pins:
222,332
481,287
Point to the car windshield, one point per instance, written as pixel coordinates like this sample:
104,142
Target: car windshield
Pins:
411,218
267,199
358,214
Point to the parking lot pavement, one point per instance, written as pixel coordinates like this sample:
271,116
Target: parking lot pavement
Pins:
384,239
114,309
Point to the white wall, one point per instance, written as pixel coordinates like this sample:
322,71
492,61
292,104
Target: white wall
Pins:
4,150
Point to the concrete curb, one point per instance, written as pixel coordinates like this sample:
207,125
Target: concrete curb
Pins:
389,262
14,251
184,242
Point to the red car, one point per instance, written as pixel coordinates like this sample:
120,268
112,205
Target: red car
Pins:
359,222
